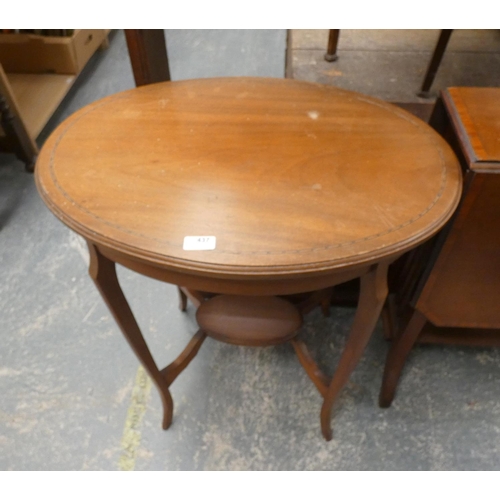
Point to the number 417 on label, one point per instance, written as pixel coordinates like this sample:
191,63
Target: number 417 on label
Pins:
199,243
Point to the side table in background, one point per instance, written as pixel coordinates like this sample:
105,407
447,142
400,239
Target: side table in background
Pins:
456,300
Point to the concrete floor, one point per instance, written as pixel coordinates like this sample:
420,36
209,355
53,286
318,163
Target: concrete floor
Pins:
391,64
73,397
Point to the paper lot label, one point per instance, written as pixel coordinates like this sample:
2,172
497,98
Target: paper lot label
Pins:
199,243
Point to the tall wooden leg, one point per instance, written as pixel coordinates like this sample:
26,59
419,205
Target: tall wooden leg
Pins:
438,54
103,272
371,300
148,56
333,40
396,357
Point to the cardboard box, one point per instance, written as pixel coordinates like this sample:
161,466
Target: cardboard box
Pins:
24,53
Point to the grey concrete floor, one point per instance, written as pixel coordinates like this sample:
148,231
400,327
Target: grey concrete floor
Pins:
73,396
391,64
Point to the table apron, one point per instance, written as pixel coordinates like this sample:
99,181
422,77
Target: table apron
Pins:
259,285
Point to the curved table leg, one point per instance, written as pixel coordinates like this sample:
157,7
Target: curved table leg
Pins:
103,272
397,355
371,300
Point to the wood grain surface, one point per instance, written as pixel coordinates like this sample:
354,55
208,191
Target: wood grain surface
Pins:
251,321
292,178
476,116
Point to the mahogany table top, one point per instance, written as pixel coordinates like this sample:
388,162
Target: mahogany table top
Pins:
292,178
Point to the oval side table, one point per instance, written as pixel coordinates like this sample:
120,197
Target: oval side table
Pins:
281,186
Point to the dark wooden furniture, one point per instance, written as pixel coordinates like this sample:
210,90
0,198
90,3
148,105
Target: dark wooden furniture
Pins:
331,50
148,56
456,300
430,74
303,186
437,56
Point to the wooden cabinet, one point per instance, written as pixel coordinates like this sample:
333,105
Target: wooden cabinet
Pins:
457,297
463,288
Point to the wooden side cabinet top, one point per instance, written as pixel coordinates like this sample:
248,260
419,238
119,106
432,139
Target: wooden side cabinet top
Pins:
475,115
462,285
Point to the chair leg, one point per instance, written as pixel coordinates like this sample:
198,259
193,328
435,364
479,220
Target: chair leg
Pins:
331,51
443,40
396,357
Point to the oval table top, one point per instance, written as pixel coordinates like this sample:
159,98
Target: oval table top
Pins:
290,177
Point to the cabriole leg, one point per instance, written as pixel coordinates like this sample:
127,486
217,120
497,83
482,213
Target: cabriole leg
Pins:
103,272
371,300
